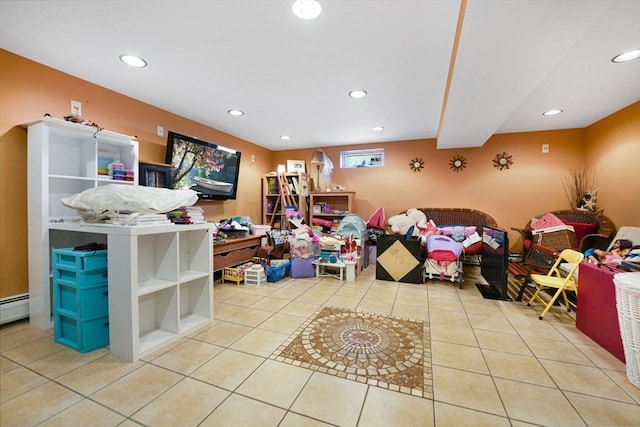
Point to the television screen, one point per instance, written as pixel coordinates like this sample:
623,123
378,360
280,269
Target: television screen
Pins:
494,262
209,169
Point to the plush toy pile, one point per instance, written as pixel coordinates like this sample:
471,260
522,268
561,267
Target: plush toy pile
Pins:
400,224
414,223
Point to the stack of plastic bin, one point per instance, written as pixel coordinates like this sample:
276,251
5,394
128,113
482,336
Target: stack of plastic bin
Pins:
81,298
255,276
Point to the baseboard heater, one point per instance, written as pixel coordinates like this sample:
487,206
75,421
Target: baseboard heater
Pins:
14,308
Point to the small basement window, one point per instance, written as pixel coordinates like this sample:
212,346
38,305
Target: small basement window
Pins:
362,158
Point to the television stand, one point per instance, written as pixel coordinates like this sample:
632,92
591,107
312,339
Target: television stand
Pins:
489,292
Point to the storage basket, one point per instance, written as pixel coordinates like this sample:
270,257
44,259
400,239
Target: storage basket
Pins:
278,271
277,237
279,240
557,240
628,305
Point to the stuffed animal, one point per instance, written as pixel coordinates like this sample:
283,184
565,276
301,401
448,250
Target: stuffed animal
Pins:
401,223
418,216
588,202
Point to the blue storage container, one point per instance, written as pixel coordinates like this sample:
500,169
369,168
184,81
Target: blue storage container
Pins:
79,260
81,279
81,303
279,271
81,299
82,335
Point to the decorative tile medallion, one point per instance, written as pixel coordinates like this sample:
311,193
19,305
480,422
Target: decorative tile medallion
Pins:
382,351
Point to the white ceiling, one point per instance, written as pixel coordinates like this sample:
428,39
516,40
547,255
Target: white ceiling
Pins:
515,59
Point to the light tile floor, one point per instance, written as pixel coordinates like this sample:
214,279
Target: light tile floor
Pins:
494,364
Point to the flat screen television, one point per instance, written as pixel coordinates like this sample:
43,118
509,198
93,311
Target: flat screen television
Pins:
209,169
494,261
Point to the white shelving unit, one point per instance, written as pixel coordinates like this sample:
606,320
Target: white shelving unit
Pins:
160,285
160,277
62,160
160,282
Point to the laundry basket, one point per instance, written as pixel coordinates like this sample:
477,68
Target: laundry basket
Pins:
628,304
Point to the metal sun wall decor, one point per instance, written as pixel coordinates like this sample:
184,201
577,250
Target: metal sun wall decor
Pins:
503,161
416,164
457,163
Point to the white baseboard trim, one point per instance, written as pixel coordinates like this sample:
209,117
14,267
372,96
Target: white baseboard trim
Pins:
14,308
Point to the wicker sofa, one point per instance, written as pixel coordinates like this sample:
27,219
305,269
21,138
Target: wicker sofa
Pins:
594,230
460,216
468,217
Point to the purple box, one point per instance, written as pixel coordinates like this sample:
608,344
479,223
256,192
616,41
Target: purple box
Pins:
302,267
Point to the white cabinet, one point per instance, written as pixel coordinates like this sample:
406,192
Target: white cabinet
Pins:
62,160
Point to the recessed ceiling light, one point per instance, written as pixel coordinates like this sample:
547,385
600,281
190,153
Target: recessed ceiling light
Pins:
285,137
306,9
358,93
133,61
377,128
552,112
235,112
627,56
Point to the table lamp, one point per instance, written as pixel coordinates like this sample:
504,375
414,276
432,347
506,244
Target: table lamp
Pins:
317,159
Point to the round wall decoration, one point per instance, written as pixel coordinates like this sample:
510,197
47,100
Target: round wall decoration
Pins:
457,163
416,164
502,161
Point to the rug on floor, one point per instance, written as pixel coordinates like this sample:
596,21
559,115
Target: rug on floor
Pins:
382,351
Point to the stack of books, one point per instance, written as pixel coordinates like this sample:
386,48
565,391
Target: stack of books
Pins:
187,215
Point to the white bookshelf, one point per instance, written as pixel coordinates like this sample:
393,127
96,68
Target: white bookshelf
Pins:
62,160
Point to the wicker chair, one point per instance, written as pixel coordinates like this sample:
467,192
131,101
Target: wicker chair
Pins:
604,231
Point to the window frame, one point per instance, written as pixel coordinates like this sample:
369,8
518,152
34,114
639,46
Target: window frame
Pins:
370,152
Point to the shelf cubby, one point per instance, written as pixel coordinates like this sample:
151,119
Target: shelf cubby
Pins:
157,318
194,309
